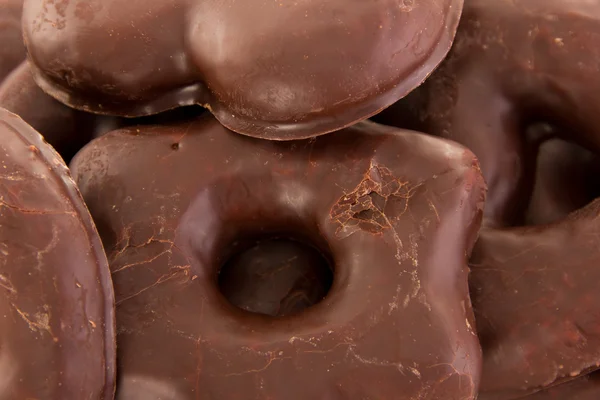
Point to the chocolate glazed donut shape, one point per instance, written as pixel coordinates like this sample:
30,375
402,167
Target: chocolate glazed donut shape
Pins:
535,294
534,289
397,213
513,62
270,69
58,330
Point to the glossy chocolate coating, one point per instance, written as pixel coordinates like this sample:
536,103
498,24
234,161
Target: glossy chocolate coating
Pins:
66,129
566,179
584,388
57,332
396,212
276,277
513,62
536,299
12,49
277,70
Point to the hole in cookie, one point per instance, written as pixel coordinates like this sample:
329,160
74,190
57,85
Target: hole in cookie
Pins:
565,180
276,276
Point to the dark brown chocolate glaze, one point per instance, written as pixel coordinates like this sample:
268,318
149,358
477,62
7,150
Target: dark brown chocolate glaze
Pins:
12,49
535,294
531,341
274,70
65,128
584,388
566,179
276,277
513,62
57,335
396,212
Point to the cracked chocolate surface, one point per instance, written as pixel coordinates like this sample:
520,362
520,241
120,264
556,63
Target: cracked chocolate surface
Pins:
56,297
396,211
278,70
514,62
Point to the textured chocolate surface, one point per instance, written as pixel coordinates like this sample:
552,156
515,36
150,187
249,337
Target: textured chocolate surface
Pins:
12,49
513,62
535,294
395,212
279,70
57,332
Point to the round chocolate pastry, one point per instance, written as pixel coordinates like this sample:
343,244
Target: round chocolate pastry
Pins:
391,214
584,388
12,49
536,300
57,335
514,62
273,70
66,129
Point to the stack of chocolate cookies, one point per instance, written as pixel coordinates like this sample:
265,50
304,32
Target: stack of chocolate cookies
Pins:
333,200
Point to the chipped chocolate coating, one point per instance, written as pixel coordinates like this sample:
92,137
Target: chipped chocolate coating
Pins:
513,62
276,277
12,49
535,295
396,213
273,70
66,129
56,296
